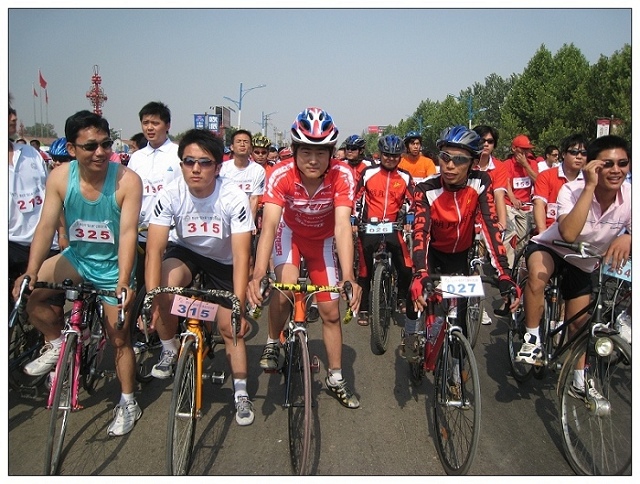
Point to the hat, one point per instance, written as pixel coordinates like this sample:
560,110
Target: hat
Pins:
521,141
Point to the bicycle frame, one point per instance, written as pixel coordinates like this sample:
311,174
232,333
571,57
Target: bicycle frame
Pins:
194,329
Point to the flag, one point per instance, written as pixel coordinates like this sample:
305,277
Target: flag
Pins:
34,92
43,83
46,97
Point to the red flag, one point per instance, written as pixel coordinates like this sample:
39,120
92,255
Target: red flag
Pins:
43,83
34,92
46,97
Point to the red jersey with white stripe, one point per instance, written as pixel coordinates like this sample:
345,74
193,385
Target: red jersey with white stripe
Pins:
310,216
521,182
384,192
546,188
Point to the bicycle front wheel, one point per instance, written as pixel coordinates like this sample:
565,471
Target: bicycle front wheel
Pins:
475,308
456,405
61,407
596,432
381,297
516,326
92,357
182,412
299,404
24,343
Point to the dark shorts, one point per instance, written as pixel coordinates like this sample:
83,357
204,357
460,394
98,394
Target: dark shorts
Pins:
574,282
18,260
216,275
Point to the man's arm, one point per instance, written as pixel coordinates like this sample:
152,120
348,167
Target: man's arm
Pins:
540,214
253,205
241,244
271,215
157,237
571,224
501,208
344,241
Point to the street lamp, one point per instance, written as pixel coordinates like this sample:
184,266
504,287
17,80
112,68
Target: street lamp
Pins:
238,103
265,121
470,110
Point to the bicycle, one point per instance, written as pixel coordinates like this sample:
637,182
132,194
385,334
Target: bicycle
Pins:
196,342
384,283
298,364
84,339
25,342
444,351
475,304
594,433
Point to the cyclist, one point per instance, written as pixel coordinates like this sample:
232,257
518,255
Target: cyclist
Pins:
313,194
213,234
95,196
243,171
261,146
58,152
384,189
354,155
445,215
593,209
549,182
413,161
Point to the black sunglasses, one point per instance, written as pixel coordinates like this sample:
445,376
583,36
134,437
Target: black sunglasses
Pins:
610,163
457,160
488,140
203,162
577,152
93,145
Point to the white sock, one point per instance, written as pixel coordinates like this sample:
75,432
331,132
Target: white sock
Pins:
57,343
535,331
578,378
335,375
272,341
126,398
170,345
240,387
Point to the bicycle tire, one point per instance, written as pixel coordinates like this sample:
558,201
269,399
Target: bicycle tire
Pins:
25,342
456,408
475,309
299,401
522,372
181,424
146,349
61,407
599,445
93,351
381,299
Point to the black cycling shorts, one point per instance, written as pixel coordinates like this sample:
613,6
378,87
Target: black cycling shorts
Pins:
216,275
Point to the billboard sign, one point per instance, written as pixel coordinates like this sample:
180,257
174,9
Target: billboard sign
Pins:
198,121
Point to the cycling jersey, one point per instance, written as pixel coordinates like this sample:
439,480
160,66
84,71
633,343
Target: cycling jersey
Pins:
250,179
546,188
444,219
419,169
498,173
310,215
359,168
204,225
521,183
384,192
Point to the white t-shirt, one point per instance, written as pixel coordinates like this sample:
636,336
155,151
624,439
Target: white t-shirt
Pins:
204,225
249,179
27,181
157,168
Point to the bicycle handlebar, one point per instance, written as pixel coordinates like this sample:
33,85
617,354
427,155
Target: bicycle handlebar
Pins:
585,249
225,299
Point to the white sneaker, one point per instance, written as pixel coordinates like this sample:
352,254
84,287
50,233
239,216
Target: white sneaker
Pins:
164,368
486,319
124,418
244,411
531,350
47,360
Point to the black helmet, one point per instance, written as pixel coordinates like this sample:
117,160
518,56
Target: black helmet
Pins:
390,145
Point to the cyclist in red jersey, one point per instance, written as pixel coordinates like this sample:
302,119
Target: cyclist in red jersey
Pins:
354,155
307,211
445,214
384,188
549,182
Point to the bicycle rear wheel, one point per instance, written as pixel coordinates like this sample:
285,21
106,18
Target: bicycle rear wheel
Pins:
515,335
299,404
475,308
456,405
146,348
61,407
381,307
24,343
92,357
182,412
597,438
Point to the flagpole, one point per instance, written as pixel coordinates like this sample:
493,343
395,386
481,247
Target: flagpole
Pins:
33,88
41,128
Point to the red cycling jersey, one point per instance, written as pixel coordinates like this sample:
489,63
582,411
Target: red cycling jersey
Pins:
384,192
546,188
521,183
311,216
444,219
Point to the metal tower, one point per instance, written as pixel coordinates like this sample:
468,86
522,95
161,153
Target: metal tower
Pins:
96,94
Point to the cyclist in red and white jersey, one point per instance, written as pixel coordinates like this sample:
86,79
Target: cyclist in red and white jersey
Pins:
354,155
307,210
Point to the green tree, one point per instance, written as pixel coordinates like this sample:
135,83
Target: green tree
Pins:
40,130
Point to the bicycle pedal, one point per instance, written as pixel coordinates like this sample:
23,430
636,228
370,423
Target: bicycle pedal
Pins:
315,364
217,377
271,370
29,392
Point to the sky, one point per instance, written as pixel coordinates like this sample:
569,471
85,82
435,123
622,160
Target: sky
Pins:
364,66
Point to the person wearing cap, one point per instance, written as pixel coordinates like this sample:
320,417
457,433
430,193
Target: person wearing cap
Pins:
413,161
522,172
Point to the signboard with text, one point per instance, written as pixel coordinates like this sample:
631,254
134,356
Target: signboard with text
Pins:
198,121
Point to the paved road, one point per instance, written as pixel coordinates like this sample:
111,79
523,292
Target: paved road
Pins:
390,434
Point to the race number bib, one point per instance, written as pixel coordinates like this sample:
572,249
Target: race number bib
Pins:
461,286
192,308
202,225
623,272
382,228
151,187
28,201
522,182
246,187
552,210
94,232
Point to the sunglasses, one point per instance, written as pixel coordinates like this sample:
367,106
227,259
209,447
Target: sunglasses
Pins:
260,152
351,148
203,162
577,152
610,163
93,145
457,160
389,155
488,140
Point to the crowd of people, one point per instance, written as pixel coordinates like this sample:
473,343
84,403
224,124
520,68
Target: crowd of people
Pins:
192,207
